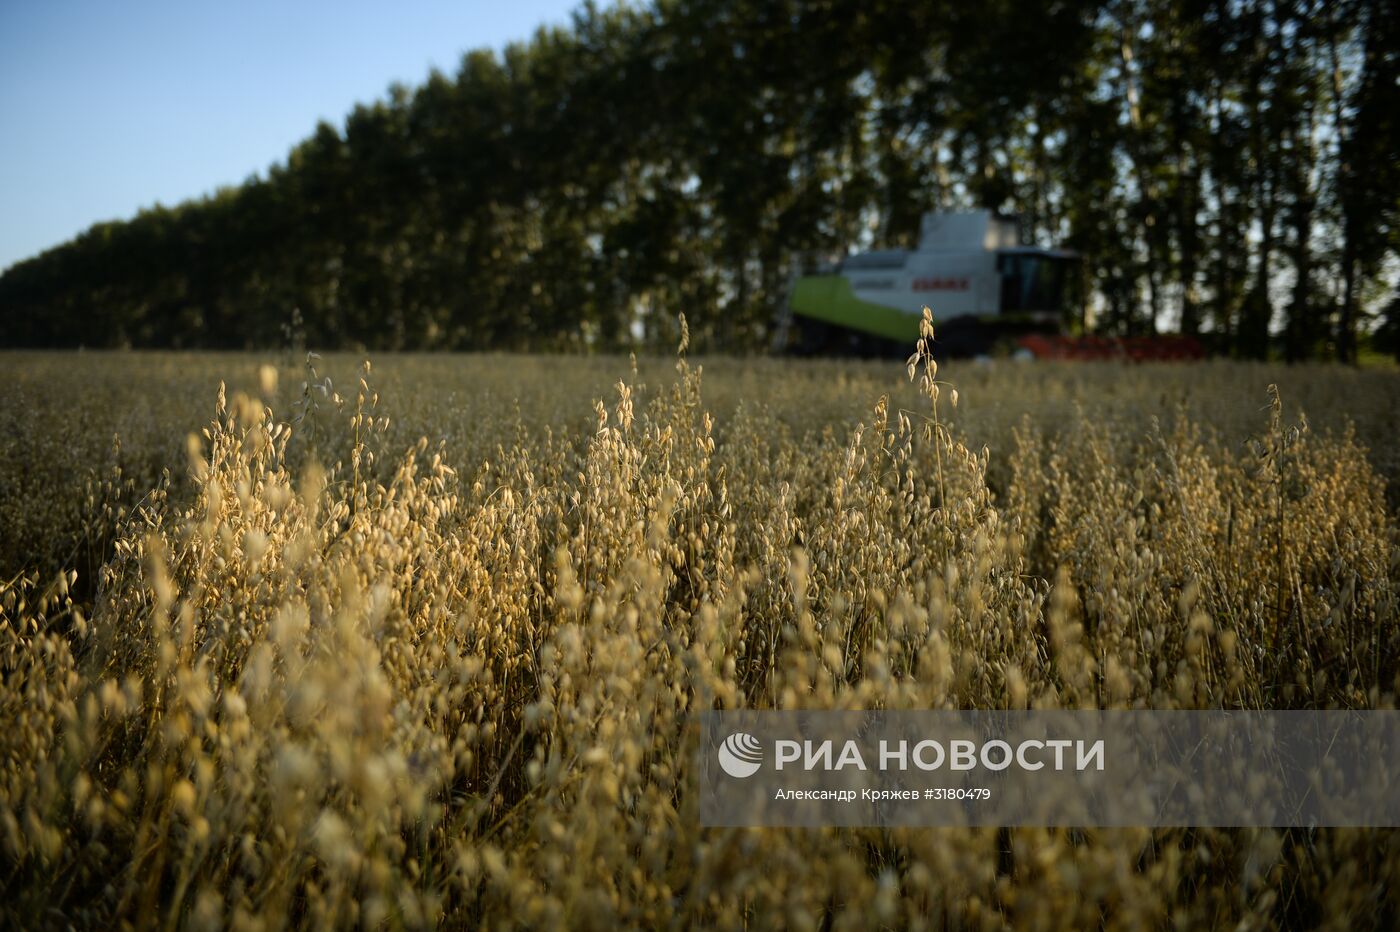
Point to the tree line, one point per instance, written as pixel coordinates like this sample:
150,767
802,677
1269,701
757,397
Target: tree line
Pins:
1229,168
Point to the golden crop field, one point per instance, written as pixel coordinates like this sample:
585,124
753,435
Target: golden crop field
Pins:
424,643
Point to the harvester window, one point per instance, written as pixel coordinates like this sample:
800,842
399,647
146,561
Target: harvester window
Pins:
1031,282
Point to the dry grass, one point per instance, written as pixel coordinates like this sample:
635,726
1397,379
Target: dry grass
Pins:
300,667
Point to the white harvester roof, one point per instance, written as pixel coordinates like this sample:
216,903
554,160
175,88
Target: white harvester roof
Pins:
970,230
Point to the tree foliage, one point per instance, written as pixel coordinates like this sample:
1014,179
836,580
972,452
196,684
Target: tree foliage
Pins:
1231,168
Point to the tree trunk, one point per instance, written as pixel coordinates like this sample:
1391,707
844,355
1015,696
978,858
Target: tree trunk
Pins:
1346,322
1189,241
1301,338
1254,328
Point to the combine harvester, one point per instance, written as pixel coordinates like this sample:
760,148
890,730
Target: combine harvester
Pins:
988,293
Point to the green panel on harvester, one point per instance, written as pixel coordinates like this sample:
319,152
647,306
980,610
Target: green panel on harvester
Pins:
829,298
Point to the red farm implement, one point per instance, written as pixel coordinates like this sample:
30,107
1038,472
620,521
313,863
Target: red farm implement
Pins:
1124,349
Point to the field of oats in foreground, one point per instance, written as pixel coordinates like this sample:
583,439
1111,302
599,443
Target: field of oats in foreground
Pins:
426,649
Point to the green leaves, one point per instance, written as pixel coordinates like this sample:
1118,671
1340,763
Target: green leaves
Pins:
578,190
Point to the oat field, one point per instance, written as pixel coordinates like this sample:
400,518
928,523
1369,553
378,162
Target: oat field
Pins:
296,642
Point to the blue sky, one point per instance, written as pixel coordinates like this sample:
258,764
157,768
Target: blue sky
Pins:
108,107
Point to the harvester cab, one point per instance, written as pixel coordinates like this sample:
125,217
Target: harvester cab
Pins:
970,269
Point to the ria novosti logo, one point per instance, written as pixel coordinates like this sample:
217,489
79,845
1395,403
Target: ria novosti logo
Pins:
740,755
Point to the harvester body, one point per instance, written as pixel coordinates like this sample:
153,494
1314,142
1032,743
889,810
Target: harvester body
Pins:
981,284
